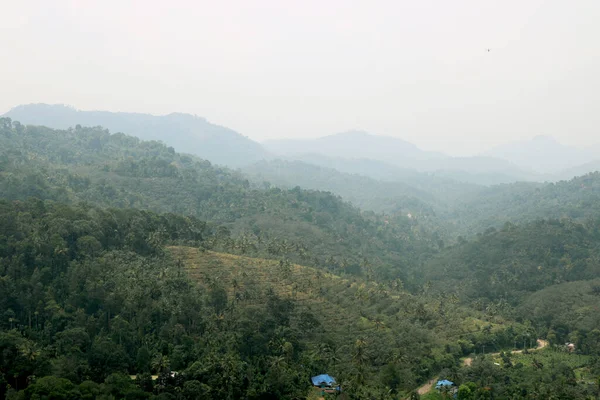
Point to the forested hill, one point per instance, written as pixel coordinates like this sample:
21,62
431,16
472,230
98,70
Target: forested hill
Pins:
543,272
184,132
89,164
363,191
123,257
578,198
450,208
504,266
92,295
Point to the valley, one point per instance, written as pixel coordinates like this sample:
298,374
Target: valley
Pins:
123,258
299,200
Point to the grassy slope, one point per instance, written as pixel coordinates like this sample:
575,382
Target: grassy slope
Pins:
330,293
246,276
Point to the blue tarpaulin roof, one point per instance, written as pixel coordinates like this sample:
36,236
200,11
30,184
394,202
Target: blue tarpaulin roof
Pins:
444,382
324,378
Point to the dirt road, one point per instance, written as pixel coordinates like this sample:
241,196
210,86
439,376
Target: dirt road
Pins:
540,345
425,388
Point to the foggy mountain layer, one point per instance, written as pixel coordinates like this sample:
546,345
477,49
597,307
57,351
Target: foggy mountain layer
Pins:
380,157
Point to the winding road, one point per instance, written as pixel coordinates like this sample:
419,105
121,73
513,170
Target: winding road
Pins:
541,343
425,388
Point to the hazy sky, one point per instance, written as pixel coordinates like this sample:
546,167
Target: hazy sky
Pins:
415,69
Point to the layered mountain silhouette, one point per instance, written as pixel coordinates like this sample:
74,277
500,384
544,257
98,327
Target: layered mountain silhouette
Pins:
360,145
184,132
358,152
353,144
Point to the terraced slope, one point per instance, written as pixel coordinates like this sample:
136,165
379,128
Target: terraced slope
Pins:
349,326
247,279
352,324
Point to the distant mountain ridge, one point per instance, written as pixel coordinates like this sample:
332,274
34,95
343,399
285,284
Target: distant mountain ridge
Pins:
544,155
352,144
184,132
360,146
380,157
540,159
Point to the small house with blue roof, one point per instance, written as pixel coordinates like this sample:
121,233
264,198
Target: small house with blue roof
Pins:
326,383
443,384
446,386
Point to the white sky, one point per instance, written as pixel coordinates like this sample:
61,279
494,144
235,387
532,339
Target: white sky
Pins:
417,69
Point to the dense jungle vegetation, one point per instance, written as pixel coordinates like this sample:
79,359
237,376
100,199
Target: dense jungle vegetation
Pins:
89,164
131,271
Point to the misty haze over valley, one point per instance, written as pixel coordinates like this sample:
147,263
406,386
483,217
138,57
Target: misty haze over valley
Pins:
539,159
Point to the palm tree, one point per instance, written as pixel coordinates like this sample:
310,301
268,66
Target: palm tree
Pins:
29,351
160,363
360,357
